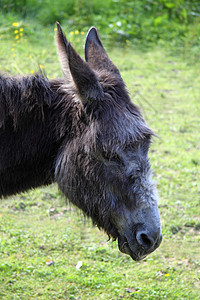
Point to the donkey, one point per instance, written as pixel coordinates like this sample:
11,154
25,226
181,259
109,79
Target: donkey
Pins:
84,133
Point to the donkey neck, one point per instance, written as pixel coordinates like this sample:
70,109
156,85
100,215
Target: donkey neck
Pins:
28,132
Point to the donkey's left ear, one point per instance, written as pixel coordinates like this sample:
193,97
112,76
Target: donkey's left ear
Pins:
95,53
76,70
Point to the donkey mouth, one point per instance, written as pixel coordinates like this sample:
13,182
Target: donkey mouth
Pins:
134,249
125,248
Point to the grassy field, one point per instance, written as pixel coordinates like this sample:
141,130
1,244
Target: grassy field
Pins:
48,250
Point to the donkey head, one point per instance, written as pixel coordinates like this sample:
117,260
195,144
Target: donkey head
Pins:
103,168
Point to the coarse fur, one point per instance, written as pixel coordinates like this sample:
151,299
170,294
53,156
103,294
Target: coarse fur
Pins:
84,133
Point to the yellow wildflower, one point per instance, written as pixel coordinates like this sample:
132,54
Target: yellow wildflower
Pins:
30,56
76,32
21,29
167,274
13,49
55,29
41,66
82,32
17,37
21,34
15,24
14,54
32,72
16,31
71,32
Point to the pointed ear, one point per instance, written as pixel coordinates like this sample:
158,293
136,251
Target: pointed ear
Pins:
76,70
95,53
61,44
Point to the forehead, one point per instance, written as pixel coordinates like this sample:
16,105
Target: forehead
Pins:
124,128
117,122
120,120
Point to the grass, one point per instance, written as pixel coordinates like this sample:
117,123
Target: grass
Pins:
42,239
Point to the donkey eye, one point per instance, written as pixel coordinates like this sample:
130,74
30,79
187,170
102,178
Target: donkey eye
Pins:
115,157
135,174
112,157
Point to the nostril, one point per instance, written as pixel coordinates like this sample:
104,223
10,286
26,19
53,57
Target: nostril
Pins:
143,240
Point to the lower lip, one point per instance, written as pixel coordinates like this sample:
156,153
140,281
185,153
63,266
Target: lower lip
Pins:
138,258
127,251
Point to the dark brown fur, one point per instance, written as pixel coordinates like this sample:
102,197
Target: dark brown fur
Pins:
84,133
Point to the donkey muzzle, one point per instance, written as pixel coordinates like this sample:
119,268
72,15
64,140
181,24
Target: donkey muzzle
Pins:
142,243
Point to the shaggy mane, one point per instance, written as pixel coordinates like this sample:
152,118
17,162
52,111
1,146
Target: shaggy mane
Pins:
19,95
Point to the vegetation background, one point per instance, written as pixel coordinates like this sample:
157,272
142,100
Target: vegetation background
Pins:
47,249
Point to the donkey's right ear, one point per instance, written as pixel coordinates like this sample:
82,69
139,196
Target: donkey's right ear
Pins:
62,50
77,71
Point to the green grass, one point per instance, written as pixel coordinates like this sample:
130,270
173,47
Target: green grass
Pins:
42,239
143,21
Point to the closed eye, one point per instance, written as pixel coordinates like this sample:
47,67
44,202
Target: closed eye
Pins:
134,175
111,157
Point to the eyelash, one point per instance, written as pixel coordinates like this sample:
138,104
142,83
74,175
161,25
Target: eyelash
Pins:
111,157
134,176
